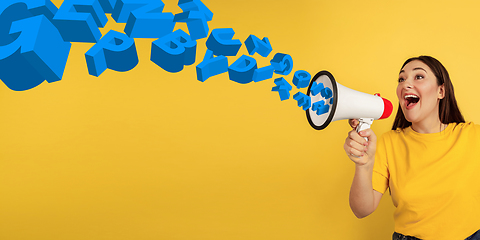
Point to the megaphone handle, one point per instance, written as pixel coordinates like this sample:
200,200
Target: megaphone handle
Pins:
364,123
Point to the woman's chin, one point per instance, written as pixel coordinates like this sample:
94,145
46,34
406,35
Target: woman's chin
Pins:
410,118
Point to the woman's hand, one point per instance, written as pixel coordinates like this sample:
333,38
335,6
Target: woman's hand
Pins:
360,151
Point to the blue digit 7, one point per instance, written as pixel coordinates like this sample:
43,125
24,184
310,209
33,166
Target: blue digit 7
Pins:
31,48
196,15
78,20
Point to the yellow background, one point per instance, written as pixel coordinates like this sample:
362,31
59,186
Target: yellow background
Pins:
147,154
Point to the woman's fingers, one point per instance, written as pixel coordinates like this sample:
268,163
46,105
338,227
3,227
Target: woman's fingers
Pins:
353,123
355,145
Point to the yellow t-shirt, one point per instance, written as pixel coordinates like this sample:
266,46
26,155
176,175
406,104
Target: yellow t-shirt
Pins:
434,180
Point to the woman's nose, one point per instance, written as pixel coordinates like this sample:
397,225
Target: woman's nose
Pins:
408,84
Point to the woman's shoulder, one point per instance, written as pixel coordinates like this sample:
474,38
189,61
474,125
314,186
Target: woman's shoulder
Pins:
453,127
466,126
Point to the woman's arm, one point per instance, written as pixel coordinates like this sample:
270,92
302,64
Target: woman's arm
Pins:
363,199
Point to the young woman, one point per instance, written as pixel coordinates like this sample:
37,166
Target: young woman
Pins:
429,160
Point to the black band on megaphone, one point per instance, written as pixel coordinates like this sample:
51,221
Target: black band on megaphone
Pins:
334,103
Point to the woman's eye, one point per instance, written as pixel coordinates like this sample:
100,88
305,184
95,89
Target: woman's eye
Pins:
401,80
419,77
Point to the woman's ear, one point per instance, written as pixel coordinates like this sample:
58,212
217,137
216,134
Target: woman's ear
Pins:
441,91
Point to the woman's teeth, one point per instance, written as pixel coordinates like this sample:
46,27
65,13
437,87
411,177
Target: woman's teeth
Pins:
411,99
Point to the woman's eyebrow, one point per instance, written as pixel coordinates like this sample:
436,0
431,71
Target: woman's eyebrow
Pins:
417,68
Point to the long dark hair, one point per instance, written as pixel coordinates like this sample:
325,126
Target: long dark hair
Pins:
448,108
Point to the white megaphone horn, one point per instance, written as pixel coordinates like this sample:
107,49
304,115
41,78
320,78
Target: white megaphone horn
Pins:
332,102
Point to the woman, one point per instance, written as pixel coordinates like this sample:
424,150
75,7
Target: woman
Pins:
429,160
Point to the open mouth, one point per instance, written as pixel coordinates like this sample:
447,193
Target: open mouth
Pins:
411,100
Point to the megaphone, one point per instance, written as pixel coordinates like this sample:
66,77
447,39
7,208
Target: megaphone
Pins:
332,102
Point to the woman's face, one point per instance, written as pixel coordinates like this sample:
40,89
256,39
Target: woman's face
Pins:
418,93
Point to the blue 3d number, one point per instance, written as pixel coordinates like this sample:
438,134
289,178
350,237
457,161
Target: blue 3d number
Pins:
196,15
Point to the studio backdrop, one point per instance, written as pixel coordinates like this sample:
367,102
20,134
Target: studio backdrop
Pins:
187,120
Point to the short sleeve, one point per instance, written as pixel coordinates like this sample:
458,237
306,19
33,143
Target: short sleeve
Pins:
380,169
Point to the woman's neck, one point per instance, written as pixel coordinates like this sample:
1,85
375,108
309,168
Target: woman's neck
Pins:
434,126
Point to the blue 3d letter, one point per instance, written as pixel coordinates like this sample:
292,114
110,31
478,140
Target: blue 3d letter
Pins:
242,70
107,5
115,51
79,20
144,18
31,48
173,51
221,43
301,79
255,45
320,107
316,88
211,66
303,100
